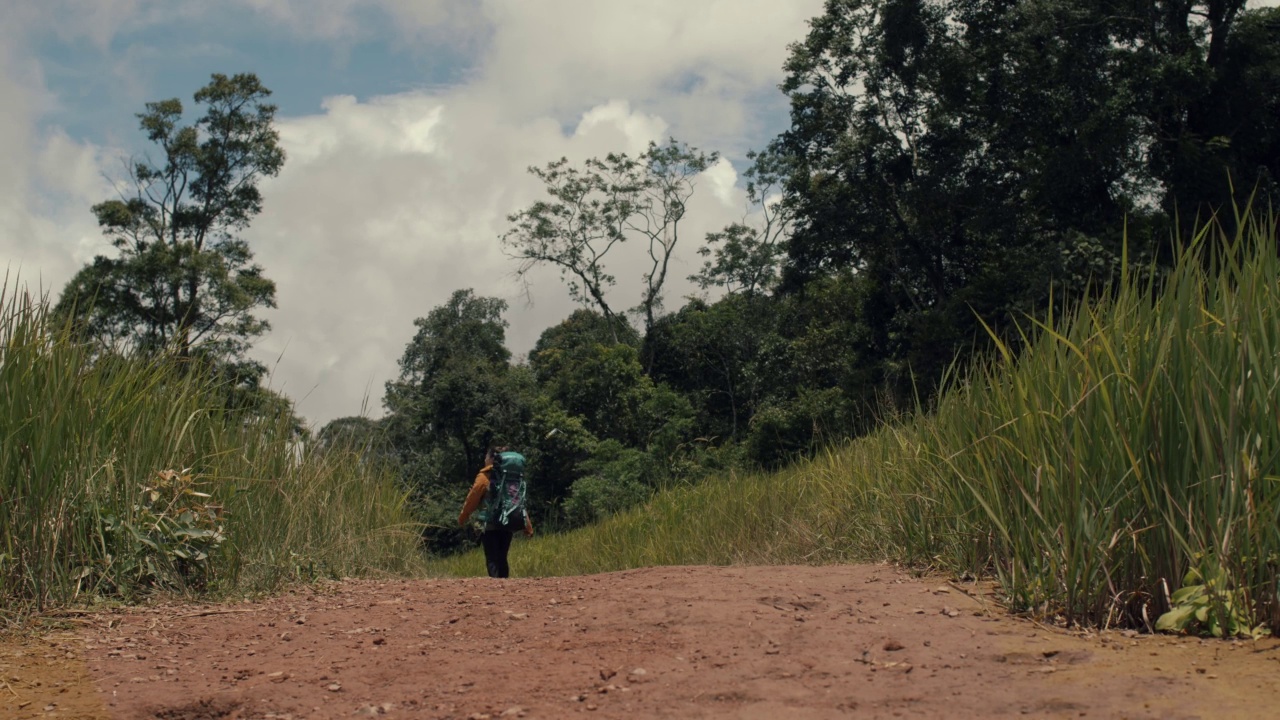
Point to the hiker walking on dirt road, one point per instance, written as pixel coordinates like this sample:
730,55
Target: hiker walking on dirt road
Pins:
500,486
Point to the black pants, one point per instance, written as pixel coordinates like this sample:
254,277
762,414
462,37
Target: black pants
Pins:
496,544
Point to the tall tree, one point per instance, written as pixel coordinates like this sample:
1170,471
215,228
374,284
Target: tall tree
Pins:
962,155
580,368
455,392
181,277
1216,111
667,182
594,208
357,434
453,379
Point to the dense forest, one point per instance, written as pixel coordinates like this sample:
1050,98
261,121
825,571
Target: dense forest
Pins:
950,167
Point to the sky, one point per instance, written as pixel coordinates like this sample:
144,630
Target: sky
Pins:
409,126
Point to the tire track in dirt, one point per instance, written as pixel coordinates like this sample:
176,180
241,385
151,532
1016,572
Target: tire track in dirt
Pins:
742,642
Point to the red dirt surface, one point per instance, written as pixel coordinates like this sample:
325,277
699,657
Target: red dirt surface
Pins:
688,642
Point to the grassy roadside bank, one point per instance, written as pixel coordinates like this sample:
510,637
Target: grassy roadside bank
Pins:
1132,450
121,477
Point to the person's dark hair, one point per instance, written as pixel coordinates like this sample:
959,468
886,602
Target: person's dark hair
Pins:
491,455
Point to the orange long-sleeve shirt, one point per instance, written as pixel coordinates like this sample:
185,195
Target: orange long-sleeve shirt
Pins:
475,496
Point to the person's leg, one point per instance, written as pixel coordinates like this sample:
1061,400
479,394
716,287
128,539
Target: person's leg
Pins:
495,551
504,546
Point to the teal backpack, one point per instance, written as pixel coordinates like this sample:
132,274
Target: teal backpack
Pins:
505,501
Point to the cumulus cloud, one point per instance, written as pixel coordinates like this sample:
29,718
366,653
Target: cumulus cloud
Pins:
46,229
559,52
390,204
381,128
377,219
703,67
386,205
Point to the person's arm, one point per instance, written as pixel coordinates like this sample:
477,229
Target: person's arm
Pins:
528,526
477,493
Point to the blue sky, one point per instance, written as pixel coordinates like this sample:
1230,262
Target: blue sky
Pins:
409,125
173,58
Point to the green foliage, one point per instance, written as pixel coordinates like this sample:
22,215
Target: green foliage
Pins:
1207,605
181,277
611,418
455,387
90,504
559,444
164,542
712,354
605,385
828,338
598,383
1131,442
744,256
581,409
793,429
606,202
357,434
617,478
559,344
1210,98
955,156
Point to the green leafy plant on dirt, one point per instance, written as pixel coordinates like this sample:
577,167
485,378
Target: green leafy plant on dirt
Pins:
167,539
1206,605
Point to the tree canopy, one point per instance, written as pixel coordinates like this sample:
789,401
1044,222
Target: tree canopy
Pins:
181,277
965,156
603,203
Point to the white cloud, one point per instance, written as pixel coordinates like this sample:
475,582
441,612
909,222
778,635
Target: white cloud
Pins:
381,128
722,179
361,241
387,205
614,126
559,52
46,229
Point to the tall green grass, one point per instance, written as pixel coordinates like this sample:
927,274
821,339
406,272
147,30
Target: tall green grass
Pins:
121,476
1135,438
1135,441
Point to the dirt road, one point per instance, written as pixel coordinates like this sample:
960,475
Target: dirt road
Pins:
741,642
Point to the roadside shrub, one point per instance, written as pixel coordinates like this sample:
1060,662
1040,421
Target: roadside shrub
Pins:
125,475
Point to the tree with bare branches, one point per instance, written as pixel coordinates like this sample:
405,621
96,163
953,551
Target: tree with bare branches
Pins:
605,202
